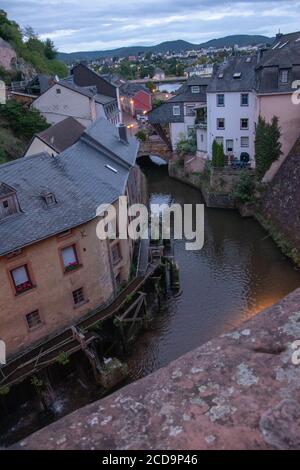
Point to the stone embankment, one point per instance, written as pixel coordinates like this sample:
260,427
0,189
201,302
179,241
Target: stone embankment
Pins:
239,391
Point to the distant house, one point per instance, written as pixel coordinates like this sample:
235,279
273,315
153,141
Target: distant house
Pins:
107,87
200,70
56,138
64,99
278,78
8,55
231,109
182,112
26,91
159,74
135,98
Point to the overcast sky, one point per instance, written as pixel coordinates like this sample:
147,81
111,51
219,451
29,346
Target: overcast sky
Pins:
79,25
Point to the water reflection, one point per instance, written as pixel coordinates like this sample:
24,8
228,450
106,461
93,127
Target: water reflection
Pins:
238,272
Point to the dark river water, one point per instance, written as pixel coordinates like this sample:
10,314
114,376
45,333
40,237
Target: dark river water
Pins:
238,272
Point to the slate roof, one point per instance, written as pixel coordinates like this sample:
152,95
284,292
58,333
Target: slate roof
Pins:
130,89
62,135
104,99
78,178
163,114
223,81
283,54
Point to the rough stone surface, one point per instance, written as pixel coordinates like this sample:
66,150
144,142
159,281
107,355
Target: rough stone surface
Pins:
280,204
239,391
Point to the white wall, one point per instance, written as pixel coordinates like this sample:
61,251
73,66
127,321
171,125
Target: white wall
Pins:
201,135
233,112
177,131
56,107
38,146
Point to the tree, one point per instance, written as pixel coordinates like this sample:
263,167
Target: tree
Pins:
218,159
50,50
267,145
150,85
187,146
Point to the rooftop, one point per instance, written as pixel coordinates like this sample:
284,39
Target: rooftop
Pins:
79,178
62,135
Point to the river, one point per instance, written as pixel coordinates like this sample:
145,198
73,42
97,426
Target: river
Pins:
239,272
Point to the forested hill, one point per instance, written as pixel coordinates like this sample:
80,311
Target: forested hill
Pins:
174,46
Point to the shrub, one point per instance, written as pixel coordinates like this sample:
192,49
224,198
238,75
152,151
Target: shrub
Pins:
218,158
244,190
267,145
23,121
187,146
141,136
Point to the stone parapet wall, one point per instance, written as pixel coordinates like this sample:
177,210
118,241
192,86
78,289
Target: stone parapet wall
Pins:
238,391
279,209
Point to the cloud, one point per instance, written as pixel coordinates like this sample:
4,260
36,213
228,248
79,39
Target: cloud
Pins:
101,24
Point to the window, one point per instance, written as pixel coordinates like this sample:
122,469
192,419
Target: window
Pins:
176,110
244,99
229,145
244,141
237,75
58,91
116,254
33,319
220,123
220,100
21,279
244,123
202,137
78,296
190,110
49,199
8,207
195,89
69,257
284,76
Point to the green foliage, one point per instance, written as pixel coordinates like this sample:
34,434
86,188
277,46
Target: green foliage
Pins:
267,145
40,54
218,158
156,102
63,359
187,146
127,70
150,85
23,121
4,390
141,136
244,190
36,382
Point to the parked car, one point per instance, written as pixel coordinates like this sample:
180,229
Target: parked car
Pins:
142,118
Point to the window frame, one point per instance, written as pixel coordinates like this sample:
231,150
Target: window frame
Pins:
218,125
81,302
73,266
242,104
245,137
27,285
284,71
193,87
34,327
177,108
242,128
218,104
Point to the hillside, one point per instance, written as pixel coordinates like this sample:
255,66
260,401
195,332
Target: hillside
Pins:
175,46
30,50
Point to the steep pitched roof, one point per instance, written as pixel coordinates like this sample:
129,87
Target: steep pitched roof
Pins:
80,178
130,89
235,75
283,54
62,135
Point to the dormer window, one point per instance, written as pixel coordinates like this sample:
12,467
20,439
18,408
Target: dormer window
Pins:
8,201
284,76
195,89
49,199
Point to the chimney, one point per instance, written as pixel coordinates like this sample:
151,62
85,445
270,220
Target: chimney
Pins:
123,133
279,35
